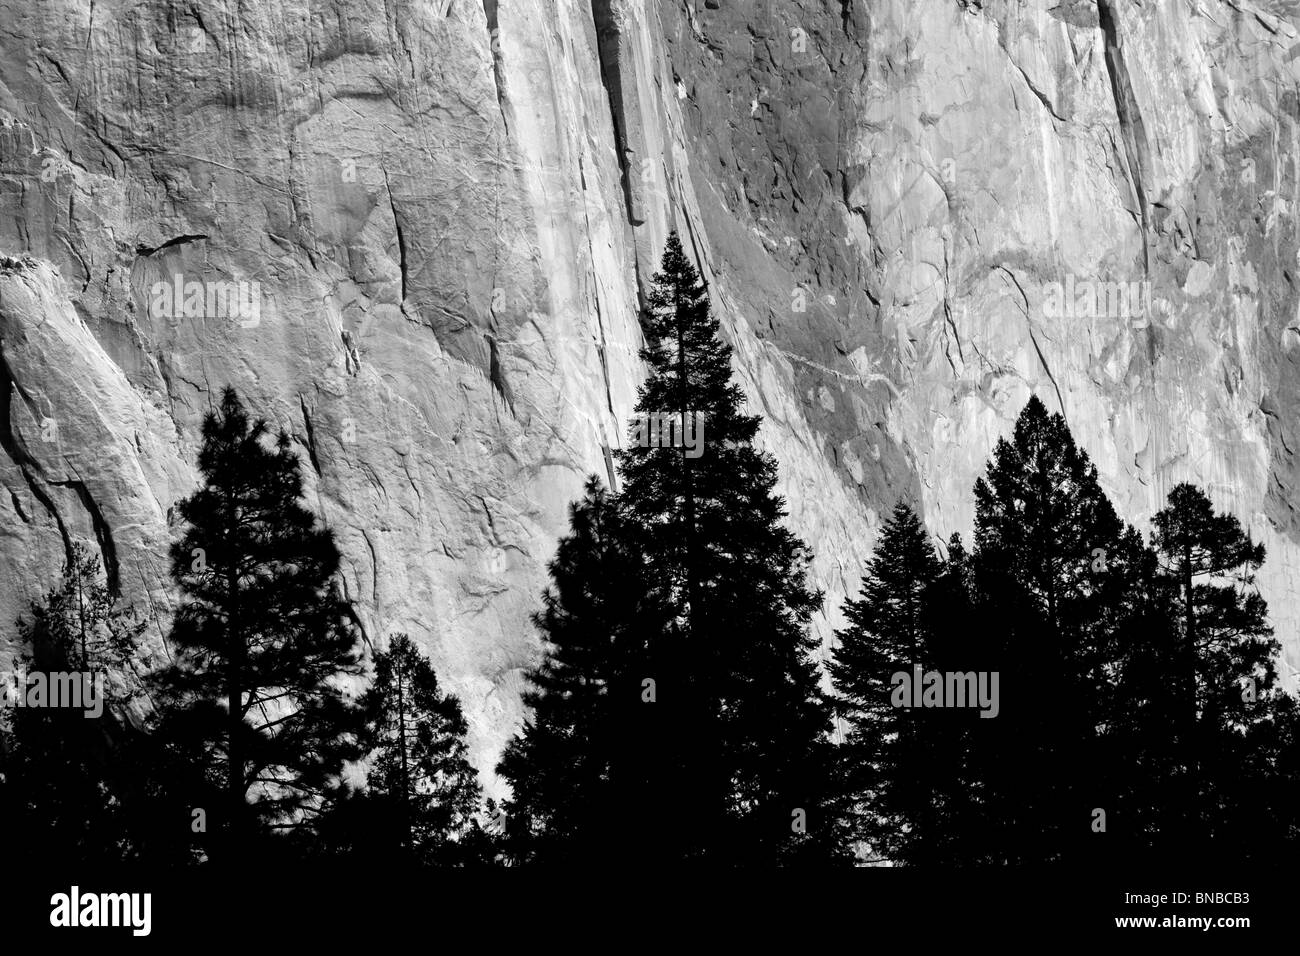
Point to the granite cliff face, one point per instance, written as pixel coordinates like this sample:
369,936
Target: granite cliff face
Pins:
428,224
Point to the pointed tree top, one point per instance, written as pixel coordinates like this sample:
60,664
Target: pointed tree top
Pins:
675,264
1034,408
904,513
1035,417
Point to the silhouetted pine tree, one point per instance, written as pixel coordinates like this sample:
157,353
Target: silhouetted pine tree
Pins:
62,791
892,753
575,768
738,751
1051,559
261,637
1221,672
421,798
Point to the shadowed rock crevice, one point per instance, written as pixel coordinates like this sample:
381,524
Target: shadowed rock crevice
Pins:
177,241
608,40
401,236
494,50
103,533
497,375
310,436
1132,130
14,447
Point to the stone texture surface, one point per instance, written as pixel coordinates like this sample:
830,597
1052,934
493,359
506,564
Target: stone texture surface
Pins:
450,209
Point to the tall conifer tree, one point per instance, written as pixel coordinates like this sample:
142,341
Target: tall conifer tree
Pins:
890,752
1221,670
261,638
421,800
1048,547
740,724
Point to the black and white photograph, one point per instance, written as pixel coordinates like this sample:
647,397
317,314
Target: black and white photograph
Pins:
844,450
